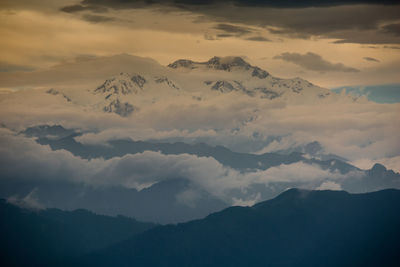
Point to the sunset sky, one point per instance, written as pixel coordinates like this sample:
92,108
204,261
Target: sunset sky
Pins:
338,43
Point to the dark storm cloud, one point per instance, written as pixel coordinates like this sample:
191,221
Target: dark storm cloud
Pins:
314,62
392,29
118,4
307,3
224,35
371,59
251,3
97,18
357,21
78,8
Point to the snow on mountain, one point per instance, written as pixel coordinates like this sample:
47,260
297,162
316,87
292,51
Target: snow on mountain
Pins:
221,63
125,92
141,82
53,91
233,74
122,109
166,81
124,83
120,91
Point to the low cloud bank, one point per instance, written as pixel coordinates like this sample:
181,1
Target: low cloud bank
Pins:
22,158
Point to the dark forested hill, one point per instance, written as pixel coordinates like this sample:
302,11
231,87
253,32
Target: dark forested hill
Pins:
37,238
297,228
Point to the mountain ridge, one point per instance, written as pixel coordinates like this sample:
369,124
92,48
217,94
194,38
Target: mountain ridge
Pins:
153,82
298,228
47,236
229,64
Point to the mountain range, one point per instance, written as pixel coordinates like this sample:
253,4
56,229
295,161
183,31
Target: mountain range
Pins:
166,201
297,228
106,120
123,84
200,81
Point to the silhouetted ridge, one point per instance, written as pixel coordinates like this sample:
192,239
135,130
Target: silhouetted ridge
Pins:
298,228
42,237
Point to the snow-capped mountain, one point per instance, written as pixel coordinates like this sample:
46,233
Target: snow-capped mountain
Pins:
233,74
200,81
221,63
122,84
118,90
125,84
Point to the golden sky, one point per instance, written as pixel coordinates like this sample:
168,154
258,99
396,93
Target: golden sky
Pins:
333,45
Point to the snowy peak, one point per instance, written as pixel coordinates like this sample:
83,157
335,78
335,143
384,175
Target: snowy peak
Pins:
183,63
229,86
240,76
118,86
165,80
123,83
127,93
221,63
122,109
227,63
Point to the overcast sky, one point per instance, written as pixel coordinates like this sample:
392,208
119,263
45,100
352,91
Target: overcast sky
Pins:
338,43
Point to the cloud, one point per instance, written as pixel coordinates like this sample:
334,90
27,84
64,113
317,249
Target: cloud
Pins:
392,163
347,21
258,39
222,35
97,18
329,185
314,62
116,133
8,67
371,59
79,8
30,201
391,47
233,29
342,125
347,24
23,159
241,3
250,201
392,29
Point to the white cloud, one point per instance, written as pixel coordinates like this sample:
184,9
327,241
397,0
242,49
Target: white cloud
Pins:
392,163
250,201
343,127
329,185
29,201
188,197
22,158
